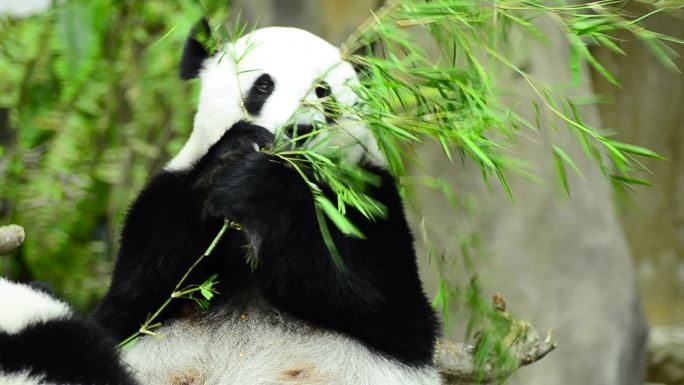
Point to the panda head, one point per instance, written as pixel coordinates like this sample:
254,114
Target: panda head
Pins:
277,78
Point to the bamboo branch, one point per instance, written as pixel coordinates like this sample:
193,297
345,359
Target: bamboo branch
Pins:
11,237
179,291
354,41
456,362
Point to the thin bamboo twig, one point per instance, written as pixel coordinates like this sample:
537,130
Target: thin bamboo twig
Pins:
146,327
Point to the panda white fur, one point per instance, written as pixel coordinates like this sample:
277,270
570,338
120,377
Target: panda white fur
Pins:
297,318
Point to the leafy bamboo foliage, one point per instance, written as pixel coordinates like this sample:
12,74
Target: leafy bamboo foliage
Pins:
442,86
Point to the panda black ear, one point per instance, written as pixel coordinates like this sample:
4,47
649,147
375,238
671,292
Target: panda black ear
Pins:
198,47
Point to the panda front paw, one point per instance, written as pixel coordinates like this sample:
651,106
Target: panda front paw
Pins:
257,188
241,139
237,188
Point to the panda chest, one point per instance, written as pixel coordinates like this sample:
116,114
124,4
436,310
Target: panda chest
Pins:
258,345
251,346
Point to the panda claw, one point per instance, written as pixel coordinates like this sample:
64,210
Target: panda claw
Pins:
256,147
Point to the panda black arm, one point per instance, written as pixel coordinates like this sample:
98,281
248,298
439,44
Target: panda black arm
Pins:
378,299
162,235
166,230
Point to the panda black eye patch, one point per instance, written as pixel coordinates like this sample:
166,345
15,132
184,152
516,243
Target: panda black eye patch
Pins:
260,91
323,91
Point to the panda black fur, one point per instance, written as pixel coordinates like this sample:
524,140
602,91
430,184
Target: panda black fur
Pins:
43,342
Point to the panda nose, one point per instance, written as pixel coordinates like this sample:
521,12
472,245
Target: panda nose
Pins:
297,130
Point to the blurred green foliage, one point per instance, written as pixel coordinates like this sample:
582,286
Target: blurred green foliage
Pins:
93,105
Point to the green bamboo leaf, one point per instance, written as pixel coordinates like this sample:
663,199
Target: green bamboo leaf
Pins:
588,25
616,155
661,51
637,150
441,301
445,148
319,157
582,51
477,151
327,239
204,304
504,184
627,180
130,344
560,168
342,223
608,43
565,158
206,293
537,116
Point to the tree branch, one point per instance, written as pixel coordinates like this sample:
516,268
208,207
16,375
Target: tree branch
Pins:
11,237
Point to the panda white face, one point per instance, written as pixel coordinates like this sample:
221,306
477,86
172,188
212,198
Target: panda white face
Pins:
274,77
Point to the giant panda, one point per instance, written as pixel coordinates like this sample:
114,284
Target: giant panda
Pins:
296,316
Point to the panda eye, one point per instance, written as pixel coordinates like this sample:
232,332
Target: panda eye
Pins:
330,110
264,85
323,90
261,90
